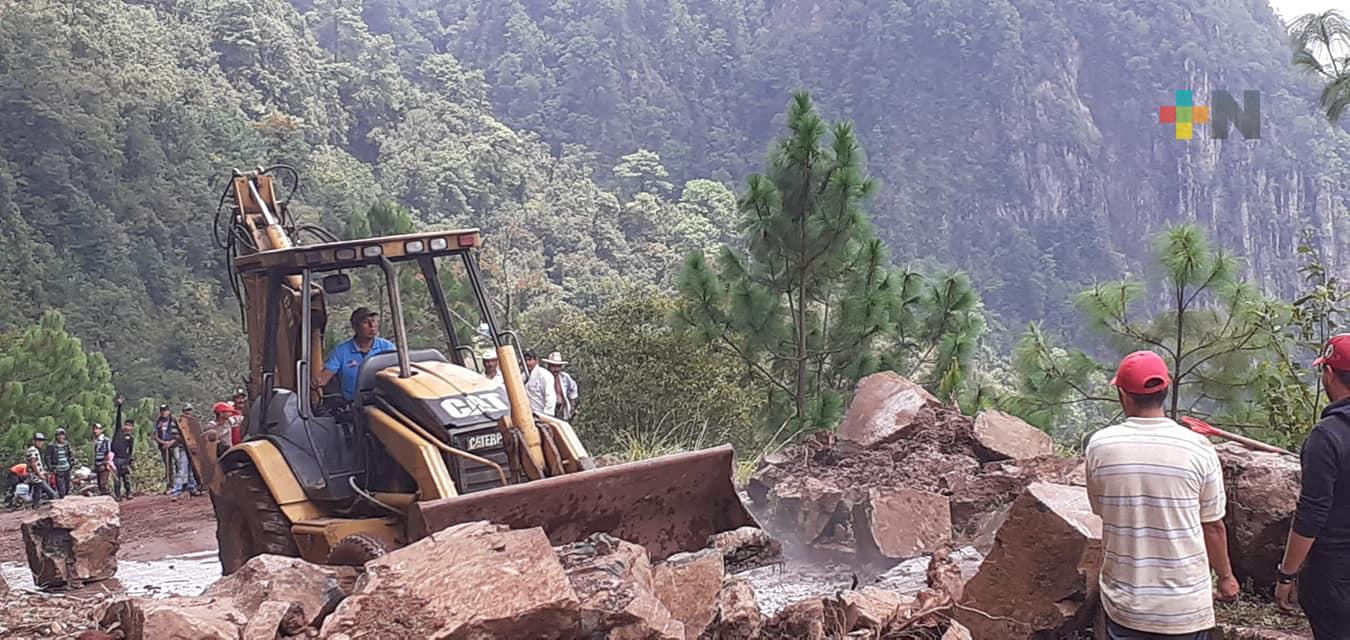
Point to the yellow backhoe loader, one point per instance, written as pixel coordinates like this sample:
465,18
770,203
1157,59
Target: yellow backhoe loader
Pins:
427,441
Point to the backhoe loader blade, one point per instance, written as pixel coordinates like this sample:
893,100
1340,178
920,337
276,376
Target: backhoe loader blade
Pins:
668,504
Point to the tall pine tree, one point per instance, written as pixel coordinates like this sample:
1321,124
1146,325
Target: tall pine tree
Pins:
812,303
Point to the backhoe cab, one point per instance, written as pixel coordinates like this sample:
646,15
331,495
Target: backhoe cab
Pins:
427,441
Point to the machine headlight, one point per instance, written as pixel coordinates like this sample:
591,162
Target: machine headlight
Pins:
346,254
414,246
372,251
439,244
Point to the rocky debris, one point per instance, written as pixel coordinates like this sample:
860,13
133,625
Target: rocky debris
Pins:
911,576
688,585
316,589
275,617
72,541
808,494
736,615
901,523
957,631
612,579
987,531
884,409
1001,435
28,615
872,612
1262,490
176,618
1234,632
1040,579
746,548
808,506
470,580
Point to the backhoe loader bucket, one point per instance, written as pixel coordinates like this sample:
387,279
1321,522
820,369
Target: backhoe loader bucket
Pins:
668,505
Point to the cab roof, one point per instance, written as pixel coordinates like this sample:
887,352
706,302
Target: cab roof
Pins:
359,252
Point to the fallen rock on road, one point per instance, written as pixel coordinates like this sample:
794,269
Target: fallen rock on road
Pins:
1003,436
688,585
175,618
895,524
72,541
612,579
1040,579
884,409
470,580
1262,490
315,589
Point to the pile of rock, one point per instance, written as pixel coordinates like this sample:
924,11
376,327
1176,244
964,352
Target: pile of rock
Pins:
903,475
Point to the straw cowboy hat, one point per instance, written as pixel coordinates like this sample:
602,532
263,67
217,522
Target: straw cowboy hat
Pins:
488,354
554,358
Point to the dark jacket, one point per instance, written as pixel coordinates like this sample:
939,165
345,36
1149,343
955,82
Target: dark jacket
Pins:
123,445
1324,502
60,457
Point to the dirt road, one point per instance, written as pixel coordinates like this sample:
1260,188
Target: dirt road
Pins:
153,527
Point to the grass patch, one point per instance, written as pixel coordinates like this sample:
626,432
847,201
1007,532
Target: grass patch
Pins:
1252,611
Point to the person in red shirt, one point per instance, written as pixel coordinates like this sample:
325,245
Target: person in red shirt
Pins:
14,476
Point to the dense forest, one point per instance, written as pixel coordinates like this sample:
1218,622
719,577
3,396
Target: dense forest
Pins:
599,145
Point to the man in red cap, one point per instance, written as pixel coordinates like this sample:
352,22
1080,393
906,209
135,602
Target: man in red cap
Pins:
1158,488
1317,557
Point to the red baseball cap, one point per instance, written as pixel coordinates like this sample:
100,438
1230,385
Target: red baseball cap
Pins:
1337,353
1140,368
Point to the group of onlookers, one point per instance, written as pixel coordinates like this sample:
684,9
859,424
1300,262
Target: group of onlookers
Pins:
50,469
552,391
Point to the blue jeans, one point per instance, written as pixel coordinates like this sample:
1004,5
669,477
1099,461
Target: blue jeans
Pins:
182,472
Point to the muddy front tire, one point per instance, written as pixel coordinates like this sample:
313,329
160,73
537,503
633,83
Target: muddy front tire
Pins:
248,521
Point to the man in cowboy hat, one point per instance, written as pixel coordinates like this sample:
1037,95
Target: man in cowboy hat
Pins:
1317,556
563,386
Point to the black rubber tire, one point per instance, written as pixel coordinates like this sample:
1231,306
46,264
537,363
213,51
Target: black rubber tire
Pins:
356,550
248,521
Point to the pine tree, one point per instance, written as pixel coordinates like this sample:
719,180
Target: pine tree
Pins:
812,304
1209,326
50,382
1321,45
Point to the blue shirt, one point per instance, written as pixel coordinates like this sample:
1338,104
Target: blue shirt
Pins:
346,359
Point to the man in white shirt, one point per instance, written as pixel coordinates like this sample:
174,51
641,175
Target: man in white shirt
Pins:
539,386
1158,488
563,386
490,369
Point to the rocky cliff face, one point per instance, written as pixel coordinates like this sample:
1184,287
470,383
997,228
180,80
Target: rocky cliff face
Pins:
1018,139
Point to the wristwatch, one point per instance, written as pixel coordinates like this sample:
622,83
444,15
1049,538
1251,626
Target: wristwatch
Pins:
1284,578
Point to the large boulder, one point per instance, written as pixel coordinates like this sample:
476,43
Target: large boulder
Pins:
72,541
884,408
316,589
872,608
176,618
688,585
737,615
1040,579
1262,490
273,618
472,580
896,524
1002,436
804,507
613,580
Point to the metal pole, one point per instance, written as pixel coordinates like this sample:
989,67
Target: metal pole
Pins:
396,310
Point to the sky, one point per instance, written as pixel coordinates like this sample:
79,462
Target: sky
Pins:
1292,8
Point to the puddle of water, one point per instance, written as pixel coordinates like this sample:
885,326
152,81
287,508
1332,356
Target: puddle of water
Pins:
185,575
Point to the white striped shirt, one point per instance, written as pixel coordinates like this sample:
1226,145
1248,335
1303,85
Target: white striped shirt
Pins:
1154,482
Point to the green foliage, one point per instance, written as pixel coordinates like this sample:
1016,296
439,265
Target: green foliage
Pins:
1213,330
1321,44
645,389
50,381
812,303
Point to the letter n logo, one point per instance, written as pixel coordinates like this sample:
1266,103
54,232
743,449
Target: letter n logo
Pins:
1224,111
